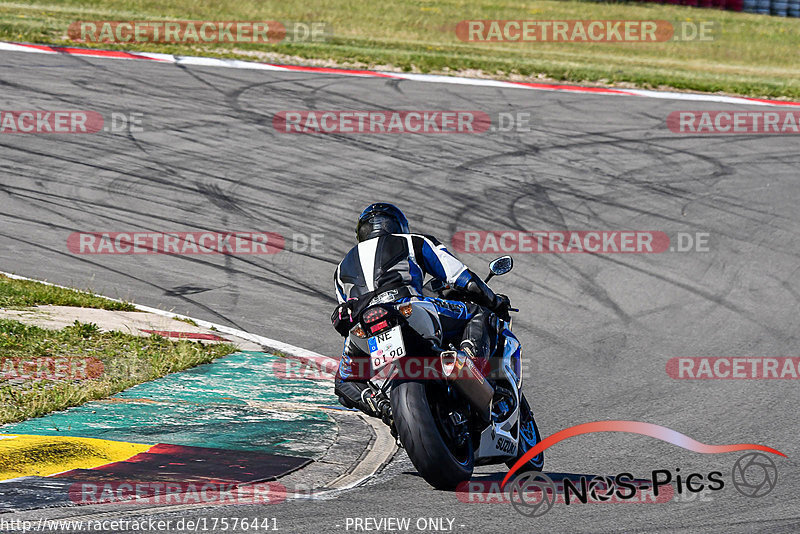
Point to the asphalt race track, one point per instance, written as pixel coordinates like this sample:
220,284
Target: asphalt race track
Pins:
597,330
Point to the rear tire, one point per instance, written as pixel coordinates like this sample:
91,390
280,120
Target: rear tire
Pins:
421,437
528,438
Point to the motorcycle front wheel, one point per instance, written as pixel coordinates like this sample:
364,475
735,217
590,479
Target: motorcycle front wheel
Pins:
422,418
528,438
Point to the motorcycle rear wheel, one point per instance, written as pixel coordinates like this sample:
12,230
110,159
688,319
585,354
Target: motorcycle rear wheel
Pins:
418,416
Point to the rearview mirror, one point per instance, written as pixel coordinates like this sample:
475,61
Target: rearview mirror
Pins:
501,265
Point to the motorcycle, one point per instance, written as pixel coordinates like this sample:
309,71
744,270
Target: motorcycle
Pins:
449,412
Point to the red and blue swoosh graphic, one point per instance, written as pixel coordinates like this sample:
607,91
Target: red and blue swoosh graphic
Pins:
634,427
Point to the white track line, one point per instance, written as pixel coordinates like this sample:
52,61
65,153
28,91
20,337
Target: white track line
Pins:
427,78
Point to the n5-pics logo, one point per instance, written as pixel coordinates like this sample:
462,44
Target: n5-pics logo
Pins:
534,494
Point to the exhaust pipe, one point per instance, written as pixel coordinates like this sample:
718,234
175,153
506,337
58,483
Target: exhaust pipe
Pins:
459,369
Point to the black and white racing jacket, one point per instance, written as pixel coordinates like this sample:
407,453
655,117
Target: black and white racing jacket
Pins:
396,260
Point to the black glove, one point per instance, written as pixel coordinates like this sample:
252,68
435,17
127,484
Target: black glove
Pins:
479,293
500,307
342,319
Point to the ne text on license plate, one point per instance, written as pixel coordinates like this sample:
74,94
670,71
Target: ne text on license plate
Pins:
386,347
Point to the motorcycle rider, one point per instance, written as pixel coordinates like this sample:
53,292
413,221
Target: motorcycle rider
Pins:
389,262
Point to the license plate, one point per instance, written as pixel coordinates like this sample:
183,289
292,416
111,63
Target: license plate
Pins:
386,347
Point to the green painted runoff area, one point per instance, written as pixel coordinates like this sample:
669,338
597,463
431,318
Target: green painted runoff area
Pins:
235,402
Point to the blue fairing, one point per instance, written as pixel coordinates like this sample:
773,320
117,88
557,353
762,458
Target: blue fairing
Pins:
512,353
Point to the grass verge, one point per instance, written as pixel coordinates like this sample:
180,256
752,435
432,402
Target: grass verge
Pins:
751,55
42,371
93,365
23,293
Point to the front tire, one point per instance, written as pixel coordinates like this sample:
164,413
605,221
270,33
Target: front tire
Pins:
528,438
417,416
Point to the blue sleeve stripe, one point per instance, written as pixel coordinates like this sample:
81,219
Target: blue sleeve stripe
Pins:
342,298
431,262
463,279
338,285
345,370
417,275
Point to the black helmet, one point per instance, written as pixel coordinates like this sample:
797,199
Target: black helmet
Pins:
380,218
